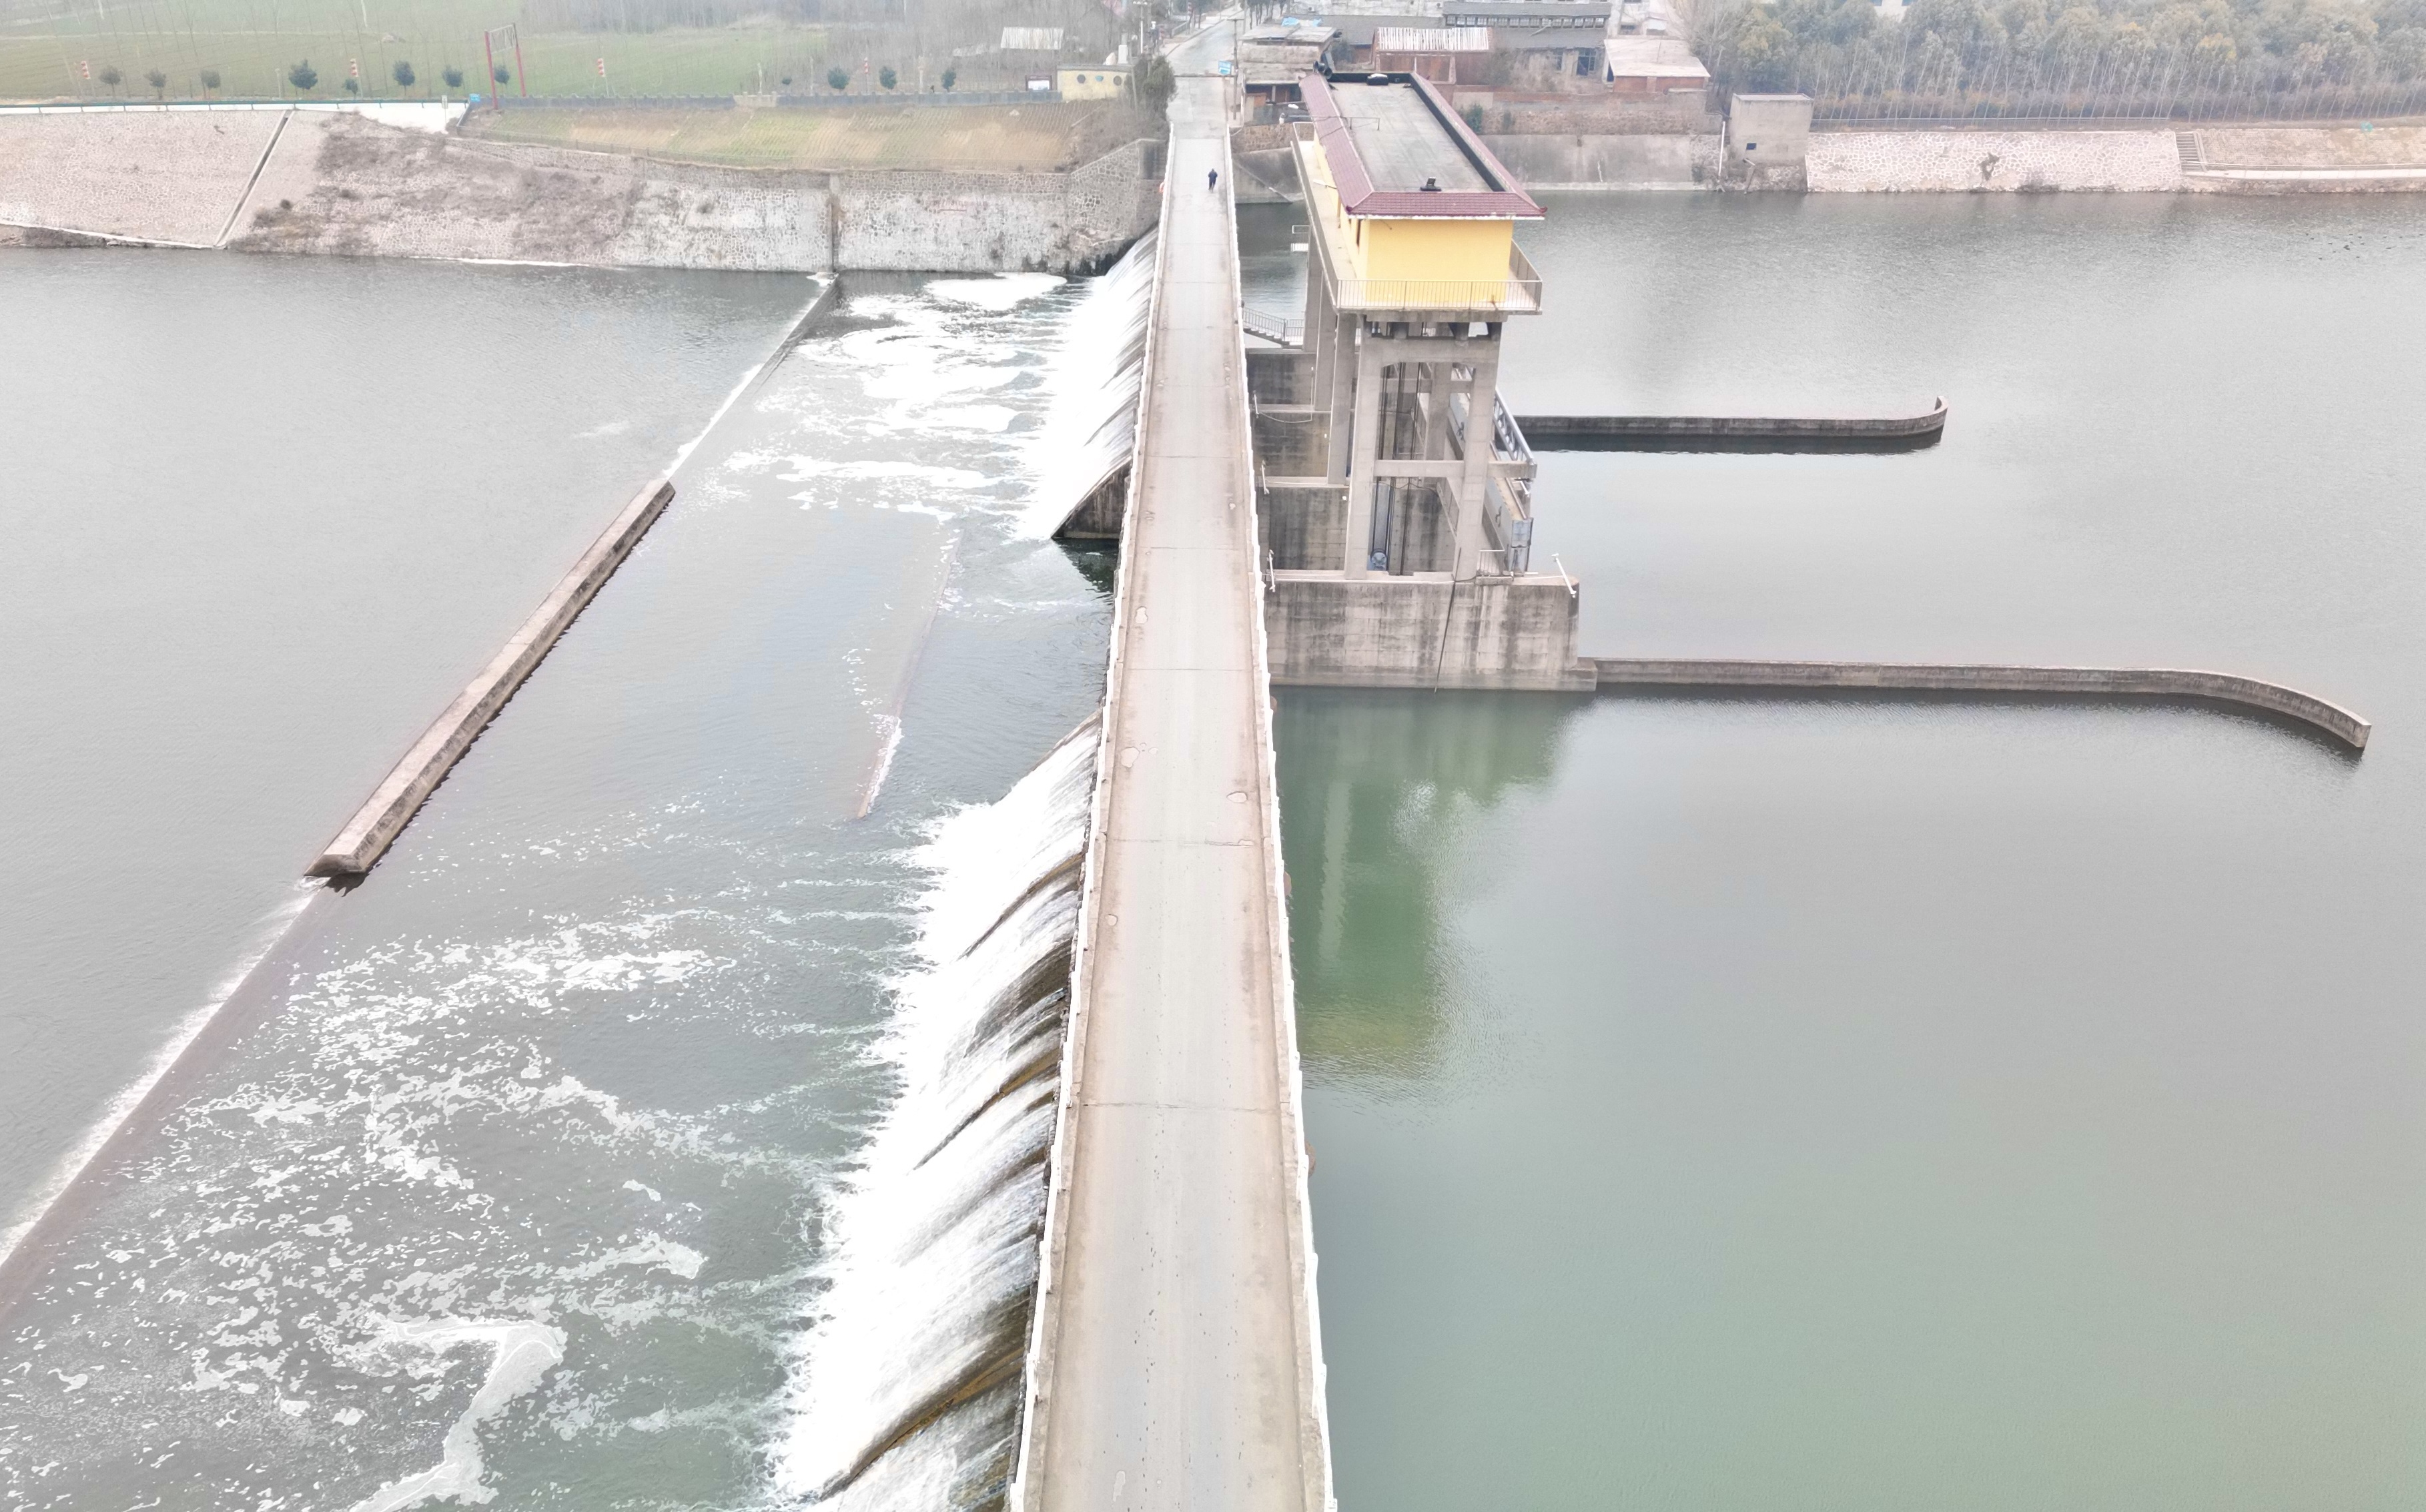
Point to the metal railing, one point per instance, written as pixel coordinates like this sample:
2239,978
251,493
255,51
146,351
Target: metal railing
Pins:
1519,293
1508,443
1508,506
1277,329
1507,437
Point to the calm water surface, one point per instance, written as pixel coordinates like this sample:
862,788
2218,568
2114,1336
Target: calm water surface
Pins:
1874,1104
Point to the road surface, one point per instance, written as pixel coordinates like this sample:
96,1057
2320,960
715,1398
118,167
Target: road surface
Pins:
1177,1362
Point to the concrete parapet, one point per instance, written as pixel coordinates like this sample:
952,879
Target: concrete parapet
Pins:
2113,682
1424,630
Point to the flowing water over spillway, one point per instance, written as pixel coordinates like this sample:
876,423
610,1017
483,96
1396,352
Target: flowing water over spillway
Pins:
1093,433
572,1159
914,1368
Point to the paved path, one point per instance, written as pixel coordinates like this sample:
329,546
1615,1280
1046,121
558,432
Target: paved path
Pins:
1177,1358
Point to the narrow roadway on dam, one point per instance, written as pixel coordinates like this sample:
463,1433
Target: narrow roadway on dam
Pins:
1177,1361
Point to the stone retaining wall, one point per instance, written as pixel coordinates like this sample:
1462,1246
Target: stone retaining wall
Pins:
1637,161
341,185
1991,161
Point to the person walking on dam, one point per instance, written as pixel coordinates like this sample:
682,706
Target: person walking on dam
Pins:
1212,176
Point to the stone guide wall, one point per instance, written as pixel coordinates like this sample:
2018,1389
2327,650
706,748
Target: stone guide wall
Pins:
155,177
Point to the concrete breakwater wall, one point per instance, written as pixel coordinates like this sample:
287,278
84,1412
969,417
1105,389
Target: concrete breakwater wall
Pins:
1622,432
338,185
391,805
1874,676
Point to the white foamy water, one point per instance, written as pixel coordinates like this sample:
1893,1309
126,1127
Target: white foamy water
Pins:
520,1353
1004,291
72,1165
908,1388
1096,378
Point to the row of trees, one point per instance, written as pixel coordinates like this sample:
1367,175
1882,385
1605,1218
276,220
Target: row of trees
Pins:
1152,85
2192,59
305,78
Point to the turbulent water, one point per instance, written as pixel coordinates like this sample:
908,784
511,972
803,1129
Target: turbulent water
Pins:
584,1155
914,1368
1093,429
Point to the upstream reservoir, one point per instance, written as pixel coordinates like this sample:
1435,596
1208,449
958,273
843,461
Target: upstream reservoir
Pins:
1888,1103
1719,1102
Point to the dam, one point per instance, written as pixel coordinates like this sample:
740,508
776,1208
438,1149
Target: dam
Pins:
790,1055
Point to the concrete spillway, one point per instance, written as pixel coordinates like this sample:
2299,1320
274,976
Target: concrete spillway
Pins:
1175,1360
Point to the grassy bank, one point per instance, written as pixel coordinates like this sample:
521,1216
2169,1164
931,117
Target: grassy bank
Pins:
993,138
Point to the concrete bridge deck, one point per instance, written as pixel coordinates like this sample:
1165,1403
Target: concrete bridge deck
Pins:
1176,1362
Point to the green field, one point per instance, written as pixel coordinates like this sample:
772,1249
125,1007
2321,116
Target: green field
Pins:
251,43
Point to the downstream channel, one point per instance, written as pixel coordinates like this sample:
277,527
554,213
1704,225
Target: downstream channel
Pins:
522,1178
1888,1103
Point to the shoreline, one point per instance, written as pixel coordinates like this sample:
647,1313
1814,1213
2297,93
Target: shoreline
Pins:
322,182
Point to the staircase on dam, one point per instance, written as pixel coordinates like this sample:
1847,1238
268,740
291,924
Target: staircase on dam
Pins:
1176,1360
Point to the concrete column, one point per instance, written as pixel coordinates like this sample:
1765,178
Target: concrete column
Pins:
1474,480
1321,329
1340,393
1436,385
1367,429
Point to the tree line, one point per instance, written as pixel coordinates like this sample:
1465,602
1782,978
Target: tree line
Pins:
2197,60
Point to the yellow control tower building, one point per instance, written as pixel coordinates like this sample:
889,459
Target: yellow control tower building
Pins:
1413,270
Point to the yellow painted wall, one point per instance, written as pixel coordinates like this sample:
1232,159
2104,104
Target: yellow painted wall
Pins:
1372,247
1476,250
1092,83
1338,231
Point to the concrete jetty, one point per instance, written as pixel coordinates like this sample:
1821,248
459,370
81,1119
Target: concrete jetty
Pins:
2074,682
1653,432
1175,1360
393,803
